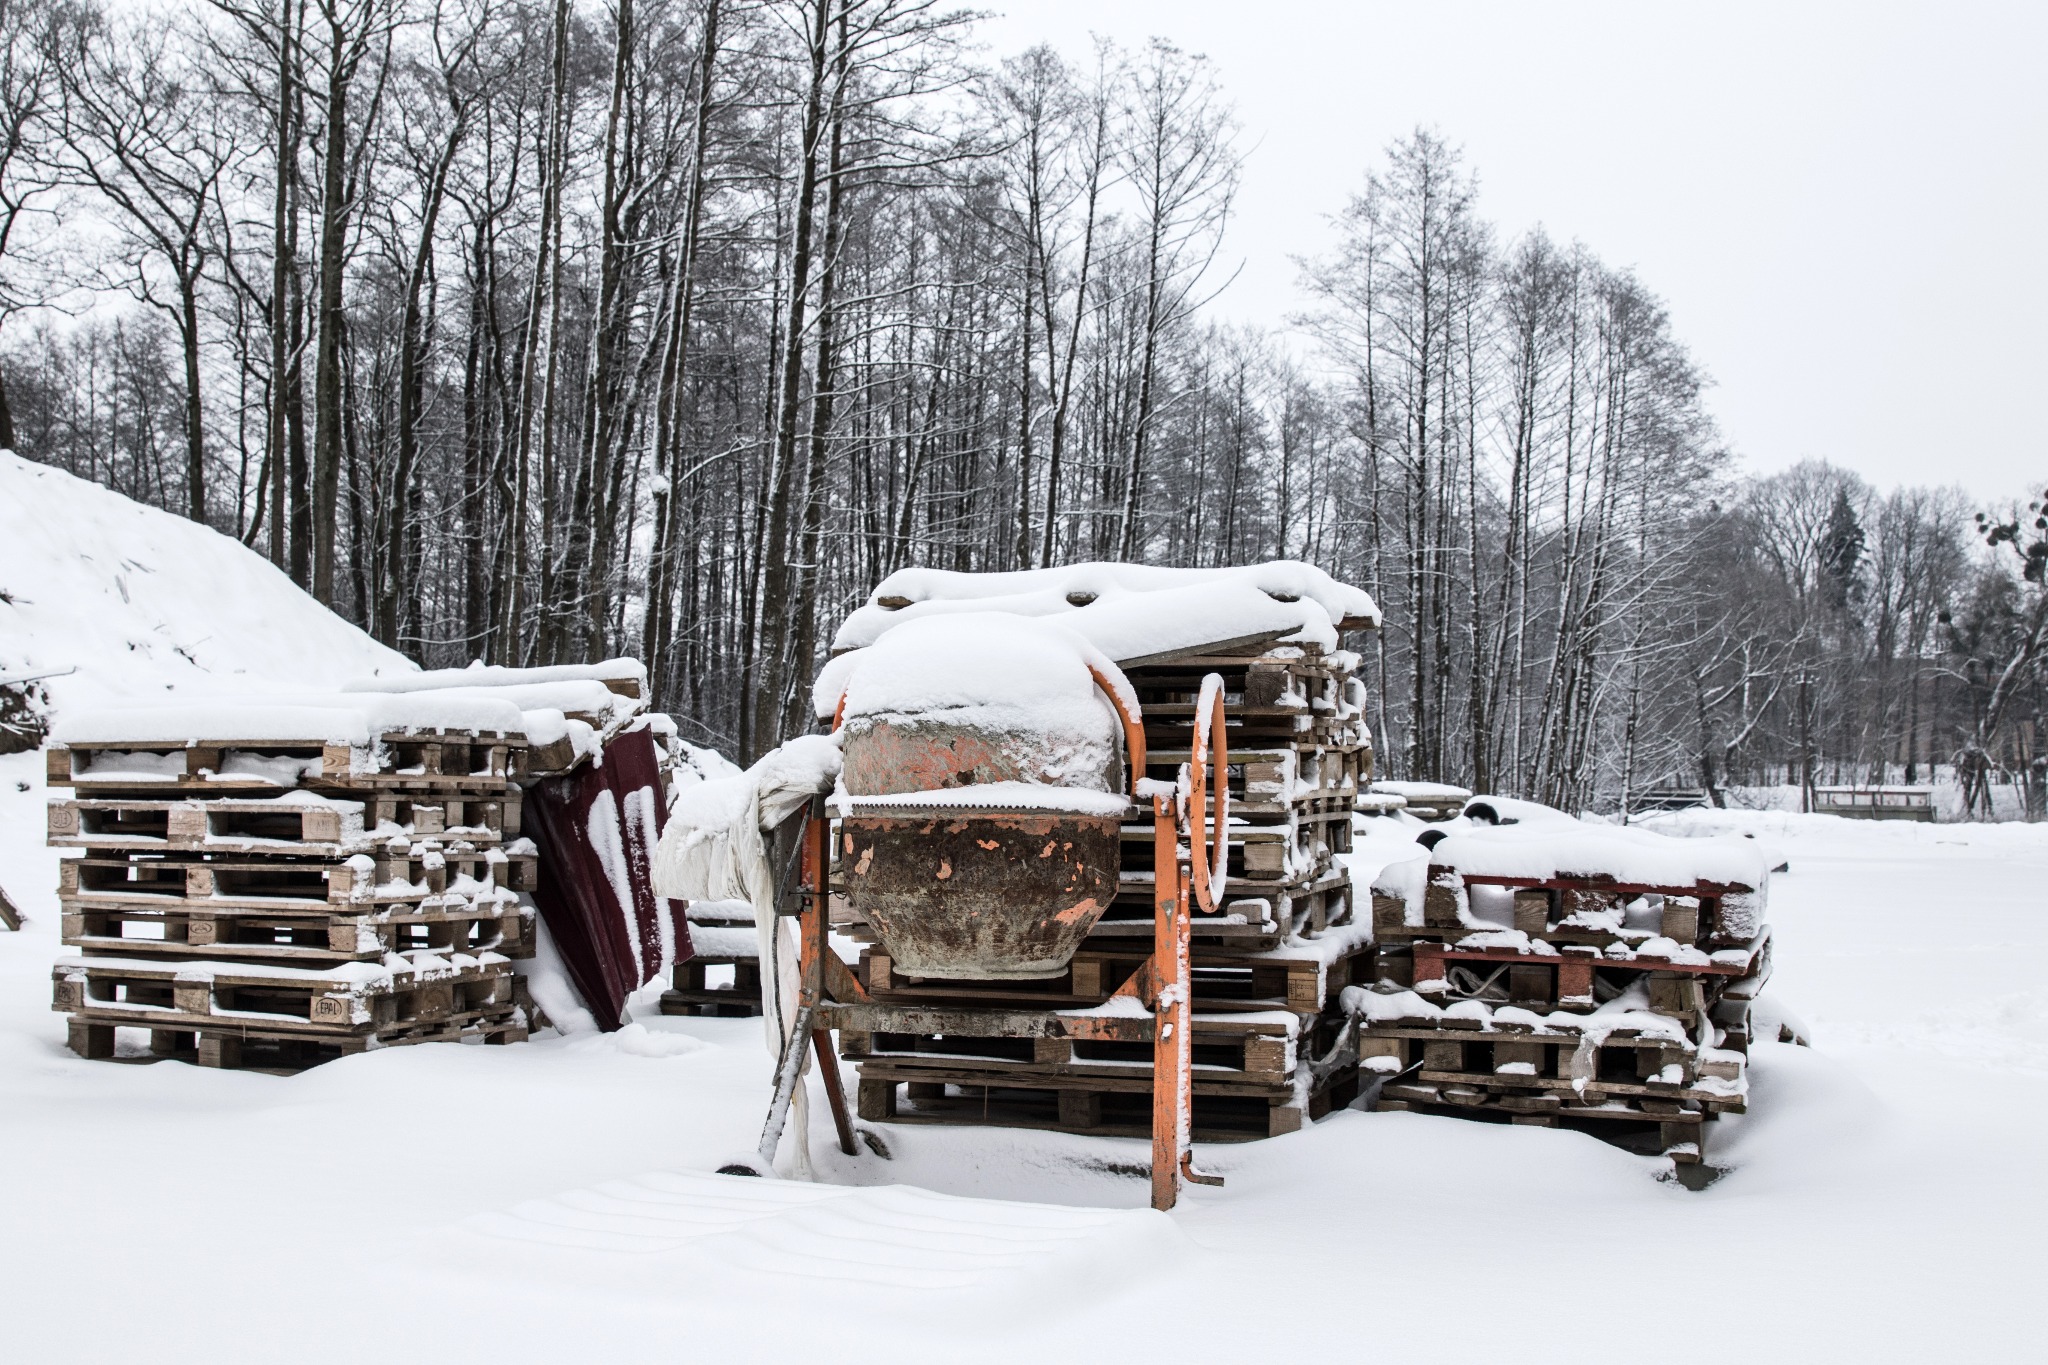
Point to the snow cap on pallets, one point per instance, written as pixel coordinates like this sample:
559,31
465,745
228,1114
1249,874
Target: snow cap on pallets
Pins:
623,677
355,719
570,711
1132,612
1551,851
1636,857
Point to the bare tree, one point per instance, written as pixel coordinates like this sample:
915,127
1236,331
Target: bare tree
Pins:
33,34
153,144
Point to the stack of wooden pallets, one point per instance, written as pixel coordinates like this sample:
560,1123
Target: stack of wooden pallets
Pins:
1570,990
1299,757
722,978
1273,1047
266,901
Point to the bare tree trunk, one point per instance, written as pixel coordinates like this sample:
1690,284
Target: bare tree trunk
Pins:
770,666
285,165
334,216
803,645
537,392
671,449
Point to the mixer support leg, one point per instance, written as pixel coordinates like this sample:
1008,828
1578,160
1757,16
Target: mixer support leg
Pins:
835,1089
812,970
1171,1081
816,962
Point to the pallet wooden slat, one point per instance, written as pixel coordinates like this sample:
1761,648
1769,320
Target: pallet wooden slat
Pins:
156,995
314,937
280,826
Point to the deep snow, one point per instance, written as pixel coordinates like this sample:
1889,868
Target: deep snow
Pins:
552,1201
144,605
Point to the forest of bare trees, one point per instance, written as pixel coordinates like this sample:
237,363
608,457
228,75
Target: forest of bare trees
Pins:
535,330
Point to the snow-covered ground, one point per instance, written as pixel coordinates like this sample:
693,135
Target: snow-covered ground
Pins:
552,1201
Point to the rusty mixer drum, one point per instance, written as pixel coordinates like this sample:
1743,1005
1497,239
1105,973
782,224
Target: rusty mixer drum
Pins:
981,895
980,831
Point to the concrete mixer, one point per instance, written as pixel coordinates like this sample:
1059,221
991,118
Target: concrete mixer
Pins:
1006,850
989,771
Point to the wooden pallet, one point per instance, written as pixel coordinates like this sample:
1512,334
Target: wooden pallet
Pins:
275,825
692,993
1536,1071
1251,918
1299,845
1235,1054
1106,1108
1677,920
1270,784
257,1048
1582,908
1435,807
1681,1135
314,937
328,1003
472,762
1300,980
415,875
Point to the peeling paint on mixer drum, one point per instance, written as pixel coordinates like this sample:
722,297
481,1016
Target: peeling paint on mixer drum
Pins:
985,897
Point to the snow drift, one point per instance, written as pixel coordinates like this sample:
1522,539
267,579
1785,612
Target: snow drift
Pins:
146,605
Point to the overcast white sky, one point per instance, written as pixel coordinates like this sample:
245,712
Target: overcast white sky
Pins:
1843,204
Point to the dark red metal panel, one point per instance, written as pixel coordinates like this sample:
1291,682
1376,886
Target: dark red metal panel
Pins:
596,829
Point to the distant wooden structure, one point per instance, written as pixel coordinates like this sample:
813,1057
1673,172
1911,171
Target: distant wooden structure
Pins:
1875,803
1669,798
1430,801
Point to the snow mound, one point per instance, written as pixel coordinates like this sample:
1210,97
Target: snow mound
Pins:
141,604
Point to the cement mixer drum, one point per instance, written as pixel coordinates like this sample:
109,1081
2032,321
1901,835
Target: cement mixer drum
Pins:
982,895
984,782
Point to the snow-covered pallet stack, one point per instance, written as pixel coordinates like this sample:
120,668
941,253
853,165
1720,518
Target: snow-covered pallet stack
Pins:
280,884
1273,1047
280,880
1554,973
1299,756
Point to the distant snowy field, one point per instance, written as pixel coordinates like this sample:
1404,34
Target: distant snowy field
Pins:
551,1201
